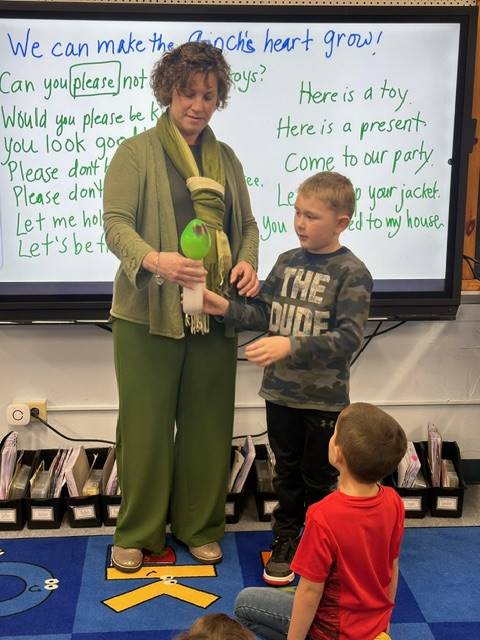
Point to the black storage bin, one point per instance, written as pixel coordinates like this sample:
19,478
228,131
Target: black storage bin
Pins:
416,500
233,506
265,497
447,502
13,511
45,513
12,514
110,503
86,511
235,501
110,506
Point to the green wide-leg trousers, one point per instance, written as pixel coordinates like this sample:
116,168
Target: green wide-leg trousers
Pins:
162,381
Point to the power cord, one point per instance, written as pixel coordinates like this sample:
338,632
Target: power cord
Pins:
240,346
105,327
367,340
35,414
254,435
469,260
375,334
381,333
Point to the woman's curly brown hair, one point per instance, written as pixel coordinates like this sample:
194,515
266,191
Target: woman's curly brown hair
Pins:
175,69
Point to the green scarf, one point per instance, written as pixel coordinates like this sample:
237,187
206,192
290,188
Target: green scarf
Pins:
207,193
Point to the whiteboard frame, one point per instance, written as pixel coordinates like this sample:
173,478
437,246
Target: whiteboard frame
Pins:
86,304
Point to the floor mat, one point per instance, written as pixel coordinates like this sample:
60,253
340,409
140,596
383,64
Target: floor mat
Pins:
64,588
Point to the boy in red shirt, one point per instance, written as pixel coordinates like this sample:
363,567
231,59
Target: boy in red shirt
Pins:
347,558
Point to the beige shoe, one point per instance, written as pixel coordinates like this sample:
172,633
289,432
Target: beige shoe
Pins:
210,553
126,560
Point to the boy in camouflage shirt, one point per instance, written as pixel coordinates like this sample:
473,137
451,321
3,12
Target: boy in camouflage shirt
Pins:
314,304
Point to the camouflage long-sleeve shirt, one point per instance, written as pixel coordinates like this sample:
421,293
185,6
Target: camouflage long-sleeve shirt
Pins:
321,301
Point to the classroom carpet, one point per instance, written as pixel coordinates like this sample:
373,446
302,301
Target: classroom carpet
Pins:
64,589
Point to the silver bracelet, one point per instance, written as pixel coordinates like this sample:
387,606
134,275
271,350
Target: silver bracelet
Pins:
158,278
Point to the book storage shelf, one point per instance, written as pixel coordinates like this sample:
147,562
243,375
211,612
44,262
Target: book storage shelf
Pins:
102,509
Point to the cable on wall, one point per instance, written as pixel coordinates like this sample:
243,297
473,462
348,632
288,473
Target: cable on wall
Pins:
469,260
34,414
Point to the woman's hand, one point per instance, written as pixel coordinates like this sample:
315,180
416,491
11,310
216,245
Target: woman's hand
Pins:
213,304
246,279
175,268
267,350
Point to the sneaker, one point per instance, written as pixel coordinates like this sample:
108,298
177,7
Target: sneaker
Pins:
277,572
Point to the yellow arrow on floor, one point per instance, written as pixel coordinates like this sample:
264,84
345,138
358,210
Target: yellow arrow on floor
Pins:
165,584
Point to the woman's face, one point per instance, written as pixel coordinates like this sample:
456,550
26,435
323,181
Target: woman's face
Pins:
192,109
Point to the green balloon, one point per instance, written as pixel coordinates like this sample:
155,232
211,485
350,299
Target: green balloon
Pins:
195,240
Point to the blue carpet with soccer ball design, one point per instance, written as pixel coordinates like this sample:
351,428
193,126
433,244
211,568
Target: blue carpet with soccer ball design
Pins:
64,589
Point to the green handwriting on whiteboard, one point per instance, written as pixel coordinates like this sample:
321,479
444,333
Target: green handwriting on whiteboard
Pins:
390,224
304,99
95,79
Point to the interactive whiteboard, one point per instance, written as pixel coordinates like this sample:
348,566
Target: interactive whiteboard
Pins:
375,101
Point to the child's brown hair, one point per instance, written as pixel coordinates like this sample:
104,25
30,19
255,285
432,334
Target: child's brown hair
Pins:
216,626
371,441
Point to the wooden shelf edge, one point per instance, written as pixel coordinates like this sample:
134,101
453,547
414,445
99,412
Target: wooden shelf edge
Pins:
470,285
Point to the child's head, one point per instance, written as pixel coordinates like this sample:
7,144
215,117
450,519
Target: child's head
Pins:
369,441
216,626
324,206
333,189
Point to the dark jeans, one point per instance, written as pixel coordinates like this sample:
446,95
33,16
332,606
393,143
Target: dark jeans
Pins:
299,439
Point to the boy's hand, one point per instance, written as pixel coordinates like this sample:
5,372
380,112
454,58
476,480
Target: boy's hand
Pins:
246,278
267,350
213,304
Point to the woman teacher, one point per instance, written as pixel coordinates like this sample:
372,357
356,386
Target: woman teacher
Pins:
174,369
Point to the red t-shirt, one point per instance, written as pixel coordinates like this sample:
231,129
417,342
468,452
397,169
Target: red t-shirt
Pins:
350,544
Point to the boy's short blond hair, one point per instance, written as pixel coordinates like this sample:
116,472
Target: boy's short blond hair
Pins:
335,190
371,441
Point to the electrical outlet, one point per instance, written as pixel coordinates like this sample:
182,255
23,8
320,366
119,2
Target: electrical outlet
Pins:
41,405
18,414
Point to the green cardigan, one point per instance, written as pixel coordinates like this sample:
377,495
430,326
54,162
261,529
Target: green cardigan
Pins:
139,218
